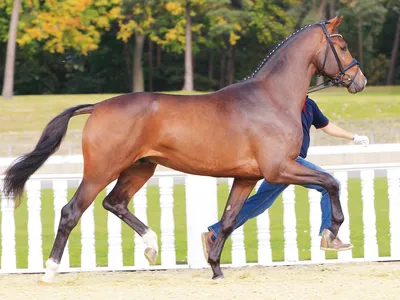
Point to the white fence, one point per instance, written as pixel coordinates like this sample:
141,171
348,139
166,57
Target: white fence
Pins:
201,210
378,149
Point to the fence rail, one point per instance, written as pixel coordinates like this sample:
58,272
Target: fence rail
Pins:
201,210
315,150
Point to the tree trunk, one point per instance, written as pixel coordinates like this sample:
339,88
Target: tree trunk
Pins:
322,10
314,5
193,62
395,52
128,64
300,19
8,84
222,69
360,42
331,9
188,84
150,65
1,58
211,66
138,84
231,65
158,55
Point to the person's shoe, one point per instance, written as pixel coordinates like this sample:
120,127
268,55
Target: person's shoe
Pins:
207,243
331,243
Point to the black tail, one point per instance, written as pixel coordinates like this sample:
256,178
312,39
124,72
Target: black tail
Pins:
24,166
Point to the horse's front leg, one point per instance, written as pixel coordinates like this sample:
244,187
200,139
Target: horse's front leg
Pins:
241,189
291,172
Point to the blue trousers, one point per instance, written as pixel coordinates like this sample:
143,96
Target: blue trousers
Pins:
267,194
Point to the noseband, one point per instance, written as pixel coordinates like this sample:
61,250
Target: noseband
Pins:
342,78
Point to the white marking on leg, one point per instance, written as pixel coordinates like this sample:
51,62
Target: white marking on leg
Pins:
51,270
150,238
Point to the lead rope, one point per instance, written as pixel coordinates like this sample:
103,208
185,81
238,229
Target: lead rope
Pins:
322,86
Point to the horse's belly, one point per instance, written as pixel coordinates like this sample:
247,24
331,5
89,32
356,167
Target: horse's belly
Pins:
243,169
210,146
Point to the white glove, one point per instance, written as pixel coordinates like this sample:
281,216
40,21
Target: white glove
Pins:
361,139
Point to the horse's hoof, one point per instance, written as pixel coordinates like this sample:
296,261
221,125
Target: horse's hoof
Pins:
216,277
151,255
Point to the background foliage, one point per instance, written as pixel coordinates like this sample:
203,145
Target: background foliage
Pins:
90,46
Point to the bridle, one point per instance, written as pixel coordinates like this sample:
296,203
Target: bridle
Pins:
342,78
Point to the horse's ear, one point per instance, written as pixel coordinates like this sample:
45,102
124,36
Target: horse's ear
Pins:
334,23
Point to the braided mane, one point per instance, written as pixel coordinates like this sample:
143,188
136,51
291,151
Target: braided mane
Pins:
273,51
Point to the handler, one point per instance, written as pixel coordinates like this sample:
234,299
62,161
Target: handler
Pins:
267,193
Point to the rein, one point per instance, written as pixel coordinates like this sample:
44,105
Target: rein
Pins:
342,78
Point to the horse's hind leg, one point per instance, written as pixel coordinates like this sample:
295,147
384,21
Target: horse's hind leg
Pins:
129,182
292,172
70,215
241,189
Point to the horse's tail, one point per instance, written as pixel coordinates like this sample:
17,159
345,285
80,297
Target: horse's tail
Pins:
24,166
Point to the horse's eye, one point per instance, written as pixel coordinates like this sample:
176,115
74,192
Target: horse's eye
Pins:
343,48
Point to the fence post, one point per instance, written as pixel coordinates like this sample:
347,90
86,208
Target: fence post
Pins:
344,232
88,251
369,218
264,236
140,208
201,212
60,192
317,255
238,249
168,256
8,255
393,177
114,226
35,253
289,220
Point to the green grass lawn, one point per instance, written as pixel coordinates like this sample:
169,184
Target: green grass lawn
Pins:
32,113
276,225
373,103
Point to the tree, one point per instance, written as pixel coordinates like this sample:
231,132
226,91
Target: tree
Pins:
395,49
71,46
4,20
138,19
316,13
176,33
272,21
369,15
8,86
188,82
230,21
69,24
227,23
180,36
332,13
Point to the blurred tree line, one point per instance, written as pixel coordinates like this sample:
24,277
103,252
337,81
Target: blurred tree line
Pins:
119,46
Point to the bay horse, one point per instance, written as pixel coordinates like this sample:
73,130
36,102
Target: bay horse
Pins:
248,130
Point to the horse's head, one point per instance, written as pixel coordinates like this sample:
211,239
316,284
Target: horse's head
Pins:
335,61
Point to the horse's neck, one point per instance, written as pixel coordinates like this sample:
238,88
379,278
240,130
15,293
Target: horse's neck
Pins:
288,73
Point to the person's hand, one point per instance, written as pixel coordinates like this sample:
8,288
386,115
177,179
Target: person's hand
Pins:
361,139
